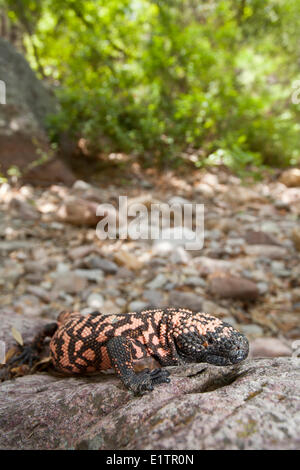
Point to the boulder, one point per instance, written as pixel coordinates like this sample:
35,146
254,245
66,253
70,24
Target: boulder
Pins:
23,127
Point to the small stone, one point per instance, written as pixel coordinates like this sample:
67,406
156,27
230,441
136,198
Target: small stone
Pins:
235,241
120,302
81,185
16,245
266,251
70,282
185,300
95,275
12,271
95,300
35,267
281,205
296,238
233,287
95,261
81,251
270,226
62,267
291,177
210,265
253,237
195,281
39,292
77,211
56,226
110,308
25,211
251,330
262,287
154,297
28,305
204,189
268,347
137,305
230,320
158,282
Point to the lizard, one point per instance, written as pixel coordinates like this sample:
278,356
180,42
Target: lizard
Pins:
86,343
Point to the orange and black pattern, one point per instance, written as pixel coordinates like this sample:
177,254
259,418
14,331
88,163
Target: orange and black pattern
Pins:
95,342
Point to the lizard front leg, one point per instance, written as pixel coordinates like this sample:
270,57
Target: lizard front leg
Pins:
119,350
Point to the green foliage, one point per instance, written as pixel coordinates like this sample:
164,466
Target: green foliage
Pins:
157,78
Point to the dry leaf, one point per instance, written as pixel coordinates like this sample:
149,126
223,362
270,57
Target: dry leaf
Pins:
10,353
17,335
45,360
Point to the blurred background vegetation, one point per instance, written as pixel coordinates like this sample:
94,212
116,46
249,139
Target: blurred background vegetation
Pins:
166,80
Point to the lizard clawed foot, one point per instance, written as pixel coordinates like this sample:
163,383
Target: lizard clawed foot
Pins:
27,356
146,380
159,376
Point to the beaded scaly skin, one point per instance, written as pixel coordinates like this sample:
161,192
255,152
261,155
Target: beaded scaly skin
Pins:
96,342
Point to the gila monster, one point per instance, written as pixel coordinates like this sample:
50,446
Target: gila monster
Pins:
94,342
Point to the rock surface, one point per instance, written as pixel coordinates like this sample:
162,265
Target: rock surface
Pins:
254,405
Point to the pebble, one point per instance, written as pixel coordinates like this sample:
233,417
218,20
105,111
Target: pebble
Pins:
97,262
233,287
40,293
158,282
95,275
291,177
95,300
137,305
266,251
71,283
268,347
154,297
195,281
251,330
185,300
263,287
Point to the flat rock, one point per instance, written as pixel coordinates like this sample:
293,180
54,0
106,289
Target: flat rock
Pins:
207,265
77,211
266,251
233,287
253,405
253,237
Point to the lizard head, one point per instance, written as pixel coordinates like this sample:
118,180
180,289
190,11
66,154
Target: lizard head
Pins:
203,338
